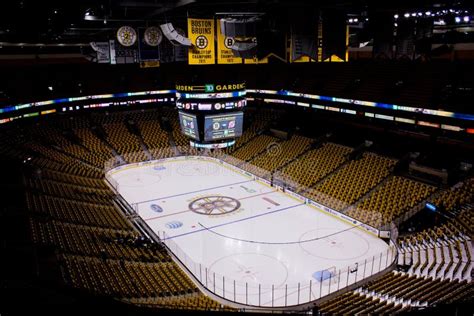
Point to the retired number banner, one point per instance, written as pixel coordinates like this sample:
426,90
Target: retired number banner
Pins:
201,34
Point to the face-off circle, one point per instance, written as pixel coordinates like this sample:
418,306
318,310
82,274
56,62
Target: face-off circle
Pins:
214,205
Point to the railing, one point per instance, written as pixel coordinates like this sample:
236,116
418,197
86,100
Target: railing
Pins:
250,293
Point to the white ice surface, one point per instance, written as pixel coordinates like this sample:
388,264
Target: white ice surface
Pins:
272,239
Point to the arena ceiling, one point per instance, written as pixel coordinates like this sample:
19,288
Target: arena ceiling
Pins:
82,21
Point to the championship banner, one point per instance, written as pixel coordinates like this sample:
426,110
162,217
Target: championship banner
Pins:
302,48
201,34
336,36
224,53
166,52
148,41
181,51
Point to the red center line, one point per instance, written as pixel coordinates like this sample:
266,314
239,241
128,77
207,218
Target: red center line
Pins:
188,210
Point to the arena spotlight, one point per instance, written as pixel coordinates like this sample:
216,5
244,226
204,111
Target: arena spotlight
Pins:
428,13
457,19
396,16
407,15
466,19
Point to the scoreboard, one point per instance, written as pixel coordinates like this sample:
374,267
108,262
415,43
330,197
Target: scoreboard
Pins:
210,105
211,115
223,126
216,95
189,126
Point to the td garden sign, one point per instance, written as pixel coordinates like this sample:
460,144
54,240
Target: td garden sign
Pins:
209,88
201,33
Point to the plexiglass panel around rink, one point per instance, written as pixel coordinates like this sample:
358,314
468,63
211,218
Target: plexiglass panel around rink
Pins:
248,235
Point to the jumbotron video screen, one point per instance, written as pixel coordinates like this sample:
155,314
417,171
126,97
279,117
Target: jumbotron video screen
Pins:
189,125
217,127
211,115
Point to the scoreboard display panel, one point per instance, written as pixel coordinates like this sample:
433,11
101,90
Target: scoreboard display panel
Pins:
211,114
211,105
223,126
189,125
221,95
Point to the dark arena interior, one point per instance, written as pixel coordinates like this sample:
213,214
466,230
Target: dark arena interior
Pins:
224,157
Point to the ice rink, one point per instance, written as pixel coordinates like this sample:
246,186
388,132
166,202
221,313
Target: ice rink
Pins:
244,240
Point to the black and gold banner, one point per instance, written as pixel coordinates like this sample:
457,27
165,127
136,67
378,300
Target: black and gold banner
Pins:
201,33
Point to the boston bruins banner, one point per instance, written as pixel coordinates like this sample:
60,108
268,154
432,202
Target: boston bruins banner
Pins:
201,34
224,53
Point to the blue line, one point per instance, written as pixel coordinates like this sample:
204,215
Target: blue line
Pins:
171,196
236,221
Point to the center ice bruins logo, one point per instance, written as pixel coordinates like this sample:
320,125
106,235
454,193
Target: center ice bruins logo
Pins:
214,205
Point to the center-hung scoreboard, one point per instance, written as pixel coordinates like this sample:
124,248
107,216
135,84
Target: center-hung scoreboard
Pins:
211,115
